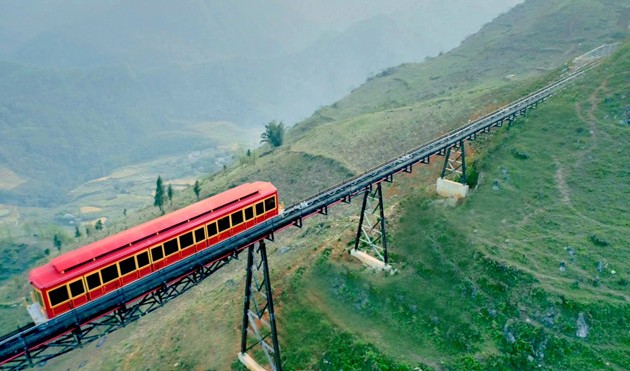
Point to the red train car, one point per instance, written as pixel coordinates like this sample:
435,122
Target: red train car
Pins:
78,276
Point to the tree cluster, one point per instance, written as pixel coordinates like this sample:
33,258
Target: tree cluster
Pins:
274,134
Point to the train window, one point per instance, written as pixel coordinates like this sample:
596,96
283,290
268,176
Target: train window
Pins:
157,253
249,213
58,295
186,240
93,281
127,266
260,208
143,259
270,204
212,229
76,288
109,273
237,218
224,224
200,234
171,247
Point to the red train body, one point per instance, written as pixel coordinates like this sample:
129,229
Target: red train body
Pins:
78,276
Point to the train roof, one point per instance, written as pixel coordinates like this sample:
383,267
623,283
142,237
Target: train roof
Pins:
107,245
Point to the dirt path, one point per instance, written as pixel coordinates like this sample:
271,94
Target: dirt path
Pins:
565,192
589,118
561,182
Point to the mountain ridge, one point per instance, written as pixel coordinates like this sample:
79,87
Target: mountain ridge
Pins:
135,77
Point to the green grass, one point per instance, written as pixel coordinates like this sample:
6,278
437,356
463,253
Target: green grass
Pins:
461,286
480,285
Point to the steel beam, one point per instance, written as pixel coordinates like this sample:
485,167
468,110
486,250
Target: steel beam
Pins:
259,319
371,231
125,313
455,163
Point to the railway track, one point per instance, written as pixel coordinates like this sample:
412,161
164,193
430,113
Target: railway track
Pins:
32,345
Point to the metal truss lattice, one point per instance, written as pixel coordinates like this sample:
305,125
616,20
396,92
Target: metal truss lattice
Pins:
259,322
371,233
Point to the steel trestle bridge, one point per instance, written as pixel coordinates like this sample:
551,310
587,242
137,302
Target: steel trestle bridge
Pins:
37,344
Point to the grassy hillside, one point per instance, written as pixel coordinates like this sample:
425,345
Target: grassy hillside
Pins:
366,128
473,290
533,37
532,270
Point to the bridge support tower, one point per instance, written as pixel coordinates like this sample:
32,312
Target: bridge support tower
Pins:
452,181
371,233
259,321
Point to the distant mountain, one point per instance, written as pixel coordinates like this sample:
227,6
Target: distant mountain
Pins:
557,31
88,86
153,32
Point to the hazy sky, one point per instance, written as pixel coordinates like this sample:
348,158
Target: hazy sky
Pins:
339,14
142,67
292,23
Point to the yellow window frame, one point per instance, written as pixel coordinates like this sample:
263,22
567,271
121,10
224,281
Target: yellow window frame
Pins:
98,271
245,214
232,225
179,247
229,218
192,234
63,302
138,267
161,246
256,213
275,203
126,274
205,234
85,290
216,228
117,271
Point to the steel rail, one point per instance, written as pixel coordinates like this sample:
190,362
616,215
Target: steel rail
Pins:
23,342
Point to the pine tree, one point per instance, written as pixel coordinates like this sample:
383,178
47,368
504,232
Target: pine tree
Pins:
169,193
158,201
99,225
197,189
77,232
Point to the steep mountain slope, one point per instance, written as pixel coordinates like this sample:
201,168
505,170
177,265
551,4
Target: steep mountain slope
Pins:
530,271
532,38
531,274
408,105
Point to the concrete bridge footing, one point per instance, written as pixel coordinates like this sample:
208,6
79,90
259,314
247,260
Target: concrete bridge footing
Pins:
449,188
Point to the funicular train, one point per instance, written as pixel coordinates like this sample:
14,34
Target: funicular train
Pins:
76,277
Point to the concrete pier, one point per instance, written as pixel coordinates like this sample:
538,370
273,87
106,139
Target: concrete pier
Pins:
449,188
249,362
370,261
